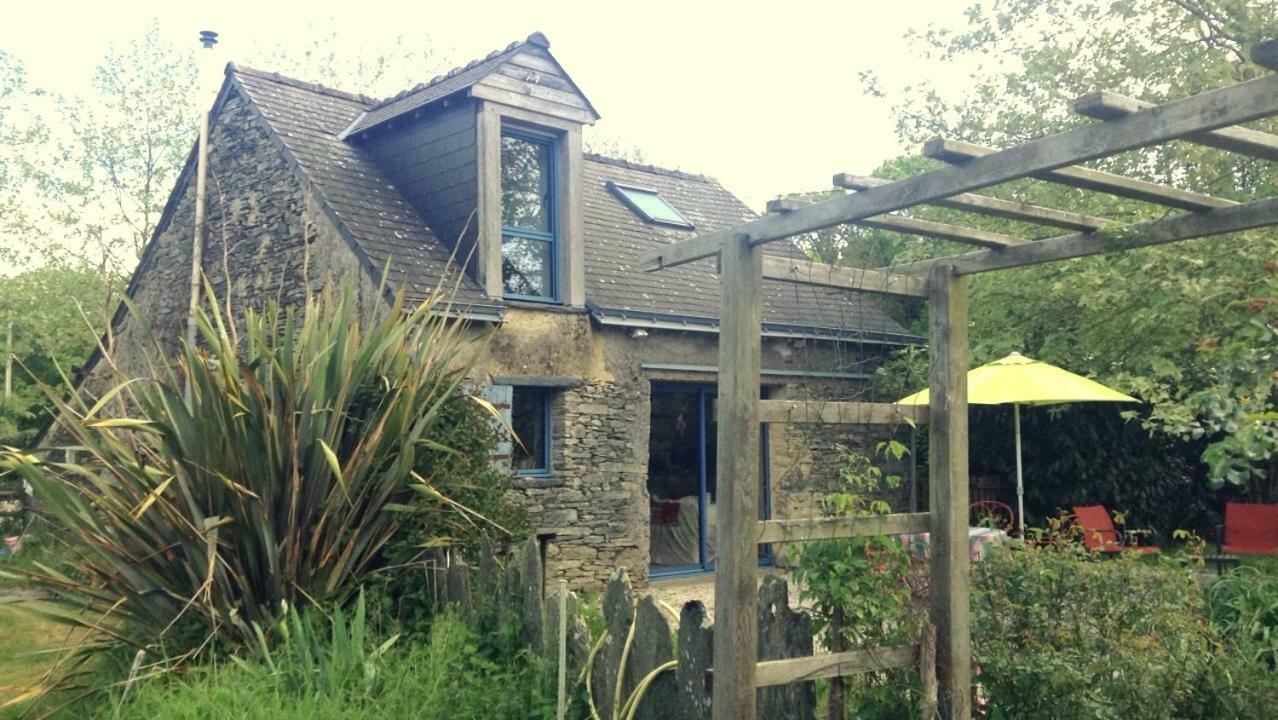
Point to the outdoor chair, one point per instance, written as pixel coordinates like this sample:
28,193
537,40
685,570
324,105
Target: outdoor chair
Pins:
1250,529
1100,535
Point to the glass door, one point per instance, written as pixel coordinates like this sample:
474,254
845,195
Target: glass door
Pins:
682,479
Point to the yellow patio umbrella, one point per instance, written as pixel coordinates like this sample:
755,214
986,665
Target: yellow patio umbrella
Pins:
1019,380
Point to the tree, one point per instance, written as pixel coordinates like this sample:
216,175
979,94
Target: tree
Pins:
328,57
1169,322
121,150
54,316
20,129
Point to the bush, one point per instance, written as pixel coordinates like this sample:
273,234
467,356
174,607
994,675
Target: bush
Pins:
1058,633
444,678
468,476
187,524
861,593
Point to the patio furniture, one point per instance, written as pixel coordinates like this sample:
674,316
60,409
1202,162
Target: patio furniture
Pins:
993,514
1100,535
1249,529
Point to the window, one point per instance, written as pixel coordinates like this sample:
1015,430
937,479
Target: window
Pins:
649,205
528,216
530,419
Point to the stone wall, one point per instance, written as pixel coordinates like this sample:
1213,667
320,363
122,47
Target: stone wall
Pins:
265,238
595,504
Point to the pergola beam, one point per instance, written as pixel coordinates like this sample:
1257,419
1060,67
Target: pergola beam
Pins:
958,153
1232,105
1105,105
1248,216
991,206
914,226
808,272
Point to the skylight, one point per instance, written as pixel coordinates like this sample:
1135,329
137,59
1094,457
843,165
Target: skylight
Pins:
649,205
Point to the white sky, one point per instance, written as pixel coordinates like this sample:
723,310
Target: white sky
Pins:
764,97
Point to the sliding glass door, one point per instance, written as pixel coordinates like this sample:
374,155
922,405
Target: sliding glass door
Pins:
682,478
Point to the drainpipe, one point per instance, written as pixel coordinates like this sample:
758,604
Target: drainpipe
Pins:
208,39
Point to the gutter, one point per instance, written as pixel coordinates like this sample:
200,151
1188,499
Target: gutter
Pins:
609,317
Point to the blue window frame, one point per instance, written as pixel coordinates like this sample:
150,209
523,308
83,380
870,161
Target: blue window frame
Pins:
703,399
530,421
529,251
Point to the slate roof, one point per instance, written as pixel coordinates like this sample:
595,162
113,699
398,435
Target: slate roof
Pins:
309,121
615,237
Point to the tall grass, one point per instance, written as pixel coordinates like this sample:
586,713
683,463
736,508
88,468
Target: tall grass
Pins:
187,525
444,678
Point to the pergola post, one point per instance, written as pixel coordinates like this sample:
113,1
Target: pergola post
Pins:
951,574
736,635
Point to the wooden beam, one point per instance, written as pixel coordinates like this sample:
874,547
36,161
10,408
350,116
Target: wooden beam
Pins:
1248,216
1265,54
992,206
914,226
808,272
832,411
957,152
1106,105
1215,109
844,664
829,528
951,574
736,636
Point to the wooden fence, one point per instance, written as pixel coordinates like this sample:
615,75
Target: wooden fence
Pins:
634,663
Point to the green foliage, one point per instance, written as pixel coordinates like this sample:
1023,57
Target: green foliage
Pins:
277,486
1172,324
468,476
443,678
859,589
310,654
856,586
119,149
1058,633
1244,605
56,314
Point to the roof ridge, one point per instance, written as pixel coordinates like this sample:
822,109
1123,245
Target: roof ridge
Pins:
535,39
301,84
643,167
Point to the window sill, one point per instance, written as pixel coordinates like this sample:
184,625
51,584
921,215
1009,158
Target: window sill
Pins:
538,482
547,305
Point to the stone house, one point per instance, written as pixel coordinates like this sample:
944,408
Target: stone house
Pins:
607,373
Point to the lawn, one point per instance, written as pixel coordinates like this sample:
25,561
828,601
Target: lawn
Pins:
27,645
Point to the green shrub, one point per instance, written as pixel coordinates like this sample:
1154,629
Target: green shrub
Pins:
187,524
468,476
1058,633
860,593
1244,606
444,678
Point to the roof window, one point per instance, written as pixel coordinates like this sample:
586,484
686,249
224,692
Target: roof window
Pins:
649,205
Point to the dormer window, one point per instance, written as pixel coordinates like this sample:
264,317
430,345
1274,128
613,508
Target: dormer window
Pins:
649,205
528,233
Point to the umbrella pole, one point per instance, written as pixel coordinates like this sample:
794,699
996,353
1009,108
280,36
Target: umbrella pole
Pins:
1020,482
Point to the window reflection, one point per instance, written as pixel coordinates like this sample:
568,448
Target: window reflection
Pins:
527,215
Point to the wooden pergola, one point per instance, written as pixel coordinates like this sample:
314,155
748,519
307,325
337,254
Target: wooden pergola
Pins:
1125,124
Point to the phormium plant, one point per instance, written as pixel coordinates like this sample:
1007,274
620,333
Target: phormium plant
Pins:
186,524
